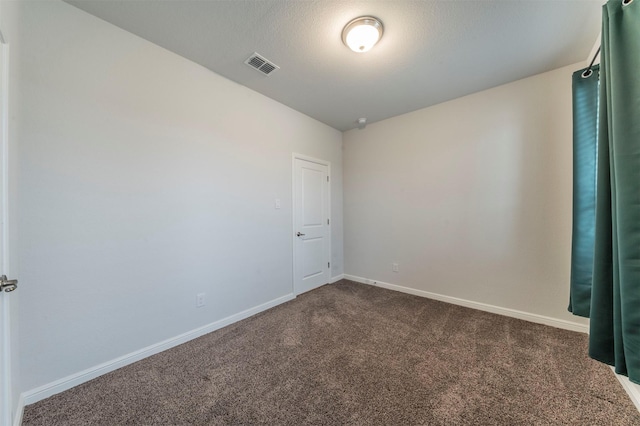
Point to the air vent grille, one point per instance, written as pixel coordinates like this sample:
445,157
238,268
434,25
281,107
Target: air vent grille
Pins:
255,62
260,63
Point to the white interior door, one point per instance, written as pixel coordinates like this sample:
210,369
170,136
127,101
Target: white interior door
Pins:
5,298
311,224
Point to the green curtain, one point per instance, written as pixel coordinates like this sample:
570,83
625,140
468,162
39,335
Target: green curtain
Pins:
615,293
585,86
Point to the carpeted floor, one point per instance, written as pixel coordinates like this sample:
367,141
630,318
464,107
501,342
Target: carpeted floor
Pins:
354,354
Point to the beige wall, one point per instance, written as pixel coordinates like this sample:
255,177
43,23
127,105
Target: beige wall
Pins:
143,179
472,197
128,157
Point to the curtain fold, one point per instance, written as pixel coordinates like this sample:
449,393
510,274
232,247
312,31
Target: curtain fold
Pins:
585,89
615,297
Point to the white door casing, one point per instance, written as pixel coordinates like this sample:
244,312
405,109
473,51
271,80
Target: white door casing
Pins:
5,298
311,223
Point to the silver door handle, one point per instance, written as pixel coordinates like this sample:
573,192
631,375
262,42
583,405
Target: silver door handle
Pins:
7,284
299,234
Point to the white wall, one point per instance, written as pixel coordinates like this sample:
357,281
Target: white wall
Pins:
471,197
143,179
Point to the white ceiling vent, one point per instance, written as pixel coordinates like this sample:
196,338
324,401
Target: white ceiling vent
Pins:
260,63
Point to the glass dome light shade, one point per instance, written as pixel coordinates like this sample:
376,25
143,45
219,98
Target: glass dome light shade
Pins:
361,34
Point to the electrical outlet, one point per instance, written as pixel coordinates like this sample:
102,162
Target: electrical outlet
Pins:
395,267
200,300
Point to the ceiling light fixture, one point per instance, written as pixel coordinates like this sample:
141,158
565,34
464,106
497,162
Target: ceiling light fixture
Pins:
361,34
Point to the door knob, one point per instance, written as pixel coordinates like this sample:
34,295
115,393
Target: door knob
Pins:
299,234
7,284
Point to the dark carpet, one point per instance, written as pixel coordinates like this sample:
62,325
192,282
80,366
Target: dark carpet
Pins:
352,354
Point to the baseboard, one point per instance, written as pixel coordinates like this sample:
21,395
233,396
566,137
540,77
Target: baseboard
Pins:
76,379
527,316
17,417
336,279
631,388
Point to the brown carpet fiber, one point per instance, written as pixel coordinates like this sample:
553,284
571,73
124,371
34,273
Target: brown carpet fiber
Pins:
354,354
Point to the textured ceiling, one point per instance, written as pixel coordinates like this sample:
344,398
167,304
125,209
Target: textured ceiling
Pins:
431,51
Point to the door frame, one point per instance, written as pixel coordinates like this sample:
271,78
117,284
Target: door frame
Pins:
6,390
294,157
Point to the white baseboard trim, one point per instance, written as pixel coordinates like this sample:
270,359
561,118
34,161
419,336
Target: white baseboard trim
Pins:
336,279
45,391
17,417
631,388
539,319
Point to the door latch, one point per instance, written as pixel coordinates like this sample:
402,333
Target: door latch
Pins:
7,285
